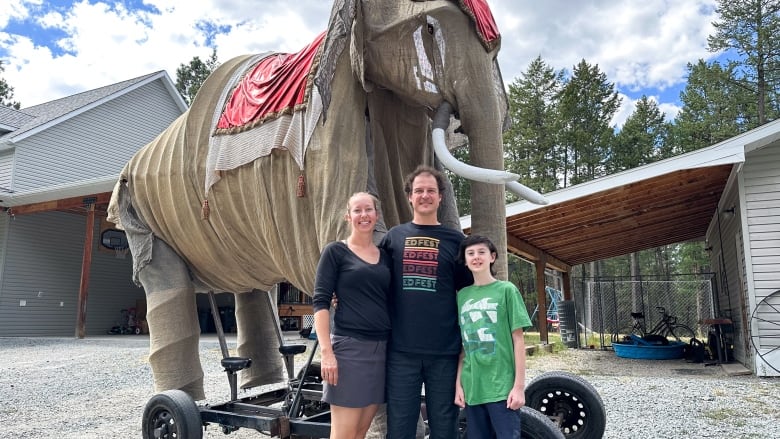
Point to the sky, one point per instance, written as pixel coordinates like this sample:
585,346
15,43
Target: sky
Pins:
52,49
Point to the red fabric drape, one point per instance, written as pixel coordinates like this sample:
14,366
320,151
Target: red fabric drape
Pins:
277,83
486,24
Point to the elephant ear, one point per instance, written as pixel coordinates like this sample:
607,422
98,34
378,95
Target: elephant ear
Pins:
339,27
356,50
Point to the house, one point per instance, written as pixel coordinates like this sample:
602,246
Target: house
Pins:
58,164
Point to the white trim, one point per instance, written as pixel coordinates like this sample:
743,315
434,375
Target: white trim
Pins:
60,191
161,76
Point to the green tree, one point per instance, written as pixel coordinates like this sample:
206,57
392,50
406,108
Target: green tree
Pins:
7,92
189,77
715,107
530,144
587,105
641,139
751,27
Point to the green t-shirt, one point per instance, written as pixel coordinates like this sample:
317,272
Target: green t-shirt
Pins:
487,315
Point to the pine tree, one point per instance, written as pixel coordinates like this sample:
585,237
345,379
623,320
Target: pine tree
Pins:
751,27
715,107
588,103
641,139
531,142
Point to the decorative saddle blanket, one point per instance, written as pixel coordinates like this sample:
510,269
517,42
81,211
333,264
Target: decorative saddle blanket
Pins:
262,108
276,85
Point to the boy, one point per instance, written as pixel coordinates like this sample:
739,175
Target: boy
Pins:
490,382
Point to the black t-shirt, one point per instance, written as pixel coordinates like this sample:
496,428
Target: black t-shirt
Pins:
362,289
426,276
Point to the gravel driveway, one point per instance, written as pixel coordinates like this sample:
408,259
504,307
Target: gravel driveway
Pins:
97,388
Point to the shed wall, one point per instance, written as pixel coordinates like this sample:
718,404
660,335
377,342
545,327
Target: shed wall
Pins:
762,202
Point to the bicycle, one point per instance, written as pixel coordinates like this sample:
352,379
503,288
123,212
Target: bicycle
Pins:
665,330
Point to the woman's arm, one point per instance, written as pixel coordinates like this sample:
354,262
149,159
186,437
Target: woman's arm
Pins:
328,365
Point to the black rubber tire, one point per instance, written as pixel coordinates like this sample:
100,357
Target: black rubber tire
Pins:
313,373
533,425
171,414
682,333
572,403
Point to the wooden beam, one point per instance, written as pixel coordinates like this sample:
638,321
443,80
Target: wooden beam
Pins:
86,262
567,293
66,203
541,300
528,251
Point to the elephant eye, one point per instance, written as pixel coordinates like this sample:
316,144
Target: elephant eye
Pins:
431,30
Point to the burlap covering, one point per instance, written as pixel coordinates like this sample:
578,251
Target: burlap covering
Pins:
259,232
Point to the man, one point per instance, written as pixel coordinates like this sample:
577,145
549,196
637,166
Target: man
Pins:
425,339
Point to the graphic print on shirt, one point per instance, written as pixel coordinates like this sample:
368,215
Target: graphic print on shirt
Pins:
421,256
478,322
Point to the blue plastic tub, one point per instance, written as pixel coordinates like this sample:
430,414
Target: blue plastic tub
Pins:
643,351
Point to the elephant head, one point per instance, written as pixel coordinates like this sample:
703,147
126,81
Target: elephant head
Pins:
421,55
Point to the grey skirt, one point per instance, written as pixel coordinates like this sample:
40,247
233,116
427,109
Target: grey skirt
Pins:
361,366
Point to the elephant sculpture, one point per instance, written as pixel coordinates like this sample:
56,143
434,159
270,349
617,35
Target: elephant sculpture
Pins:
244,189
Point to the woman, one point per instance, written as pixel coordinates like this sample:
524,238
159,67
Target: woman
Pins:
353,352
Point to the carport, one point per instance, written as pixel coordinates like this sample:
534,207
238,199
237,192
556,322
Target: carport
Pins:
666,202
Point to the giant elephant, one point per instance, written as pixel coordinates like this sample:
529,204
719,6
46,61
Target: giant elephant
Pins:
245,189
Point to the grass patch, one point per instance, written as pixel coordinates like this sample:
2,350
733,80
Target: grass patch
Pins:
724,414
534,338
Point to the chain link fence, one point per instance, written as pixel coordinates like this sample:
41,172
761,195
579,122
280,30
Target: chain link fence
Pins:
604,306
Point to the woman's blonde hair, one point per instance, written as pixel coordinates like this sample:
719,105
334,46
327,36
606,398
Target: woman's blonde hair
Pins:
358,194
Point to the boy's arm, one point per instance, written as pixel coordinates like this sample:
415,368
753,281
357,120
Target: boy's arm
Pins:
460,398
516,397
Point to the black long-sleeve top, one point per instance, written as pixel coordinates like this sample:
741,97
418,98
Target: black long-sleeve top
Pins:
362,290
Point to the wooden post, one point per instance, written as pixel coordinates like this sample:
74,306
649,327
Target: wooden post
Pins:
567,294
86,262
541,300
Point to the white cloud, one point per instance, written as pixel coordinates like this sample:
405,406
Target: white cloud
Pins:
638,45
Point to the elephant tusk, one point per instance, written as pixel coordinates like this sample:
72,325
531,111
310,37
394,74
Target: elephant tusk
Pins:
526,193
440,122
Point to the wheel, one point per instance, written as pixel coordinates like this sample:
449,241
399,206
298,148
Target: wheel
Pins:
137,330
623,335
533,425
764,334
171,414
313,373
682,333
572,403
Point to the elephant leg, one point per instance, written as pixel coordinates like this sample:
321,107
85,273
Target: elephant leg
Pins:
257,338
173,322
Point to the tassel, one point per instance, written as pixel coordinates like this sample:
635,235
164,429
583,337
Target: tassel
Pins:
301,190
205,211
